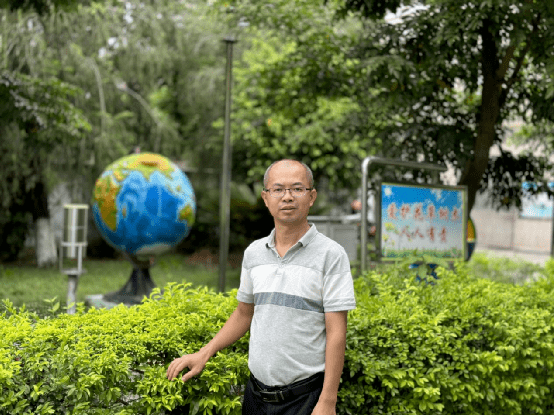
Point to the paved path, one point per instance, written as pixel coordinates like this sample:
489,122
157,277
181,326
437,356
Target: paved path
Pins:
535,257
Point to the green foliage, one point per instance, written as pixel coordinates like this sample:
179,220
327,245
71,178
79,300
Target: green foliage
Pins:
423,262
43,107
13,232
17,178
114,362
438,85
82,83
465,345
249,219
461,346
36,115
293,93
453,73
40,6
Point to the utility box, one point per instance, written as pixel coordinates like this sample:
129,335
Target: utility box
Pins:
341,229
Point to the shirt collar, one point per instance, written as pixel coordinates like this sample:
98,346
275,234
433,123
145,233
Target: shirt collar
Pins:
304,241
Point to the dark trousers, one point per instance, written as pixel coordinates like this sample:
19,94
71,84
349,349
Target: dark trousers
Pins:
255,404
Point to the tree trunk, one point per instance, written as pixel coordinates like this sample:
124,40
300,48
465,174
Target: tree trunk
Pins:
46,252
487,118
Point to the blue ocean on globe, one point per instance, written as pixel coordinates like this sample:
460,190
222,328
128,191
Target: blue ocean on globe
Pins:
143,204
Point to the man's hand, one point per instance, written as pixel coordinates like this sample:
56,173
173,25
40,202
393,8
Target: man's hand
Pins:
232,330
195,362
323,408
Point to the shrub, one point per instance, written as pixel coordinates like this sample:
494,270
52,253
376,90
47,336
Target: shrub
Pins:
461,346
114,361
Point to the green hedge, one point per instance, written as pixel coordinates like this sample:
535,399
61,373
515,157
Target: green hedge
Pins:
114,361
461,346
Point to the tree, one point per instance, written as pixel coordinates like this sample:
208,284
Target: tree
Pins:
147,75
436,85
34,114
467,68
37,112
291,99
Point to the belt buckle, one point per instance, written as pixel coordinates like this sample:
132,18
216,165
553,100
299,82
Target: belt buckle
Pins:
272,397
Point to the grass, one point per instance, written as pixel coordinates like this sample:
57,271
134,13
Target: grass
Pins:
499,269
29,285
504,270
24,283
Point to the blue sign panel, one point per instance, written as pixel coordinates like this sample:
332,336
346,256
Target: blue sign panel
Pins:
429,219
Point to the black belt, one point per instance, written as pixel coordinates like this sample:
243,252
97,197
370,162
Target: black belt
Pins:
276,394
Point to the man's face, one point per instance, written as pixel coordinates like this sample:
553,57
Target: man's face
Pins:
289,209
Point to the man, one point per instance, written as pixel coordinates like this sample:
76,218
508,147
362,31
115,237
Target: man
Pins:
294,295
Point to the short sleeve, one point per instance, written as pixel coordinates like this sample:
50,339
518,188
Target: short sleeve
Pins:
338,286
245,293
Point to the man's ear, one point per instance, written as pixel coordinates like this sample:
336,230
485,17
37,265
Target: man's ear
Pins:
264,197
313,196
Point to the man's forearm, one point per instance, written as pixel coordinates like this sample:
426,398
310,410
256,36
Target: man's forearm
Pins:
236,326
334,363
334,358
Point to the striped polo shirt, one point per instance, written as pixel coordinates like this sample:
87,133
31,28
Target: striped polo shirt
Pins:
291,295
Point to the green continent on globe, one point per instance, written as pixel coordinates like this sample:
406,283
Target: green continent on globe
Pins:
187,213
105,192
145,163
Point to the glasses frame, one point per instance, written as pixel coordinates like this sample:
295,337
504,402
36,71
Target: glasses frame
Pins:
306,189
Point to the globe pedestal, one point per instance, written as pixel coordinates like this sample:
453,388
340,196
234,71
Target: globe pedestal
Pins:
138,285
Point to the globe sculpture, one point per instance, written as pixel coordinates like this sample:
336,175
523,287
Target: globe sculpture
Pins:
143,205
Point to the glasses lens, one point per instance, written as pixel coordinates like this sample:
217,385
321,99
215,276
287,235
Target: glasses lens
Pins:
277,192
280,192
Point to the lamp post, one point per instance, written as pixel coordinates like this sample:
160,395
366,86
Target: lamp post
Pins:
225,188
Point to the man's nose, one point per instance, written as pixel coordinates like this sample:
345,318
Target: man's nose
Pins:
288,195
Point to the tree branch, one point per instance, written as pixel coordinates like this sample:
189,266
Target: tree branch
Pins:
501,72
519,64
519,61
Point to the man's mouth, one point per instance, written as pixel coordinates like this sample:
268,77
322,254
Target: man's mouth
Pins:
288,208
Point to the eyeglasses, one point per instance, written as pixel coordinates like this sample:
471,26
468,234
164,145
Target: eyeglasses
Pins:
296,191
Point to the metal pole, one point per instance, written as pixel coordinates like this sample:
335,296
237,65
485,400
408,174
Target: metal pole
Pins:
366,163
552,236
225,189
363,240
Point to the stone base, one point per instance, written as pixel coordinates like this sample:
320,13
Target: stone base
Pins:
98,301
138,286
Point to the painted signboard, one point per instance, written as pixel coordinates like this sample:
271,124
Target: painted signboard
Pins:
431,219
